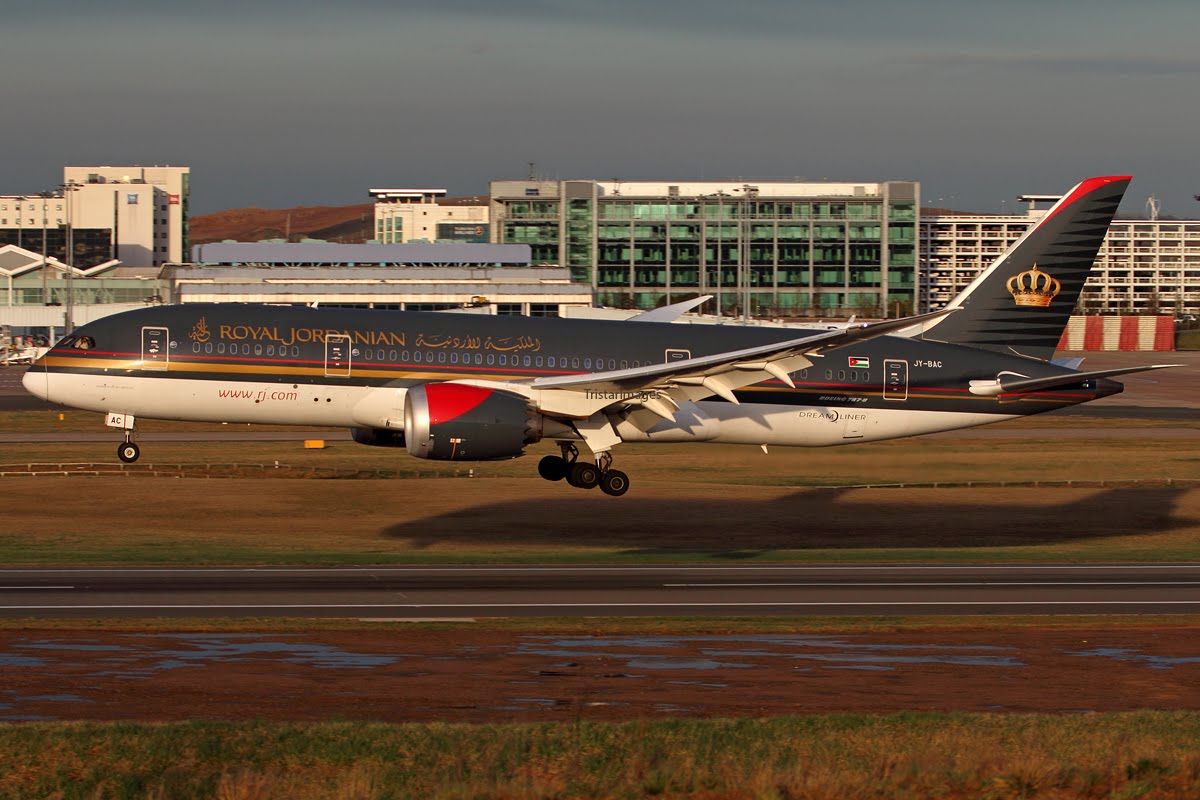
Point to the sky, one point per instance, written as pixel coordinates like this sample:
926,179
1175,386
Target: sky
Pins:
307,102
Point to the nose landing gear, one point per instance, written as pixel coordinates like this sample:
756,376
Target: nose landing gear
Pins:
127,451
583,474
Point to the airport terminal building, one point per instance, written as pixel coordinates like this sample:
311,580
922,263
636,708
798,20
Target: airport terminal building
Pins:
489,278
767,249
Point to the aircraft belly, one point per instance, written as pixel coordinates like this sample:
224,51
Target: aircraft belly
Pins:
817,426
210,401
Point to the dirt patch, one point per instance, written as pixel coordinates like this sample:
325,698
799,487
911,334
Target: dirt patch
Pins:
413,673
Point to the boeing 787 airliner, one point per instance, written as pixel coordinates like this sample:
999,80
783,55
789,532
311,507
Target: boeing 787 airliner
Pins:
470,387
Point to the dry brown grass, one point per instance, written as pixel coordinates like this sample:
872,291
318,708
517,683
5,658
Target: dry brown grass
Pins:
689,501
902,756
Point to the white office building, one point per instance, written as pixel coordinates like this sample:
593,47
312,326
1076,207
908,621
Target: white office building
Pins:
135,215
1145,266
427,215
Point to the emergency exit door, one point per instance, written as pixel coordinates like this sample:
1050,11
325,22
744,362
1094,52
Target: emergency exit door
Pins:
337,354
156,348
895,379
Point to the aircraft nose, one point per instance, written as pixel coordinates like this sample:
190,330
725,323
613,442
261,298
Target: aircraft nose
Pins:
36,380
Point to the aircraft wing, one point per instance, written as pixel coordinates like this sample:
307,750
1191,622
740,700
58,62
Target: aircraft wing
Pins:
661,388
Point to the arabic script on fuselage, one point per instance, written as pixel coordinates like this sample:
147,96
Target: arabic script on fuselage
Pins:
502,344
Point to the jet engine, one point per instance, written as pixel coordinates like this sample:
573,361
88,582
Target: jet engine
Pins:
378,437
460,422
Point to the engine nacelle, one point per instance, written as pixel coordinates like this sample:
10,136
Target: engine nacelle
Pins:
460,422
378,437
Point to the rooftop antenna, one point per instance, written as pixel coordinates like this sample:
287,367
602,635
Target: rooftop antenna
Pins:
1152,207
532,171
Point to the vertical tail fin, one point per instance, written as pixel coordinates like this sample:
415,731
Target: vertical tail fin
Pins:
1021,303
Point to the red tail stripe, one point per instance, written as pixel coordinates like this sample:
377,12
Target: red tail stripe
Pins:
1088,186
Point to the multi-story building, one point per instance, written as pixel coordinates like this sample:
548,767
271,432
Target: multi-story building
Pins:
135,215
427,215
487,278
775,249
1144,265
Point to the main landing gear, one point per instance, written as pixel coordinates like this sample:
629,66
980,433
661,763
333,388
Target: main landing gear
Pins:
583,474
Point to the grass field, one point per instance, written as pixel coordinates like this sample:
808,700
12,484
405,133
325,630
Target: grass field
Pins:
1141,754
687,502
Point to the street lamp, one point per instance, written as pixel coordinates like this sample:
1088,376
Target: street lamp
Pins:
720,195
69,188
45,259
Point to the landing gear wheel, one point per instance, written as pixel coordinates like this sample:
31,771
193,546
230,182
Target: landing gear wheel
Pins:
552,468
583,475
128,452
614,482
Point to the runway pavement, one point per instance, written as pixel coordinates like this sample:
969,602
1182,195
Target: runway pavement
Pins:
581,591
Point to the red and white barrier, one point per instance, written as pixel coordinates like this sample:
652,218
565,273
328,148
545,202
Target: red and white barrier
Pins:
1119,333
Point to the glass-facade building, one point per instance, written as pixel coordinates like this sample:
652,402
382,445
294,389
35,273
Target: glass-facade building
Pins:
768,249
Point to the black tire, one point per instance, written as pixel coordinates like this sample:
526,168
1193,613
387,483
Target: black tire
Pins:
552,468
128,452
614,482
583,475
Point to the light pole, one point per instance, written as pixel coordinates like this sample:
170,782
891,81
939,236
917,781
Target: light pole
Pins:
45,260
69,188
720,195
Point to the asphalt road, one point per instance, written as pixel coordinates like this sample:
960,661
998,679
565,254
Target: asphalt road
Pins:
582,591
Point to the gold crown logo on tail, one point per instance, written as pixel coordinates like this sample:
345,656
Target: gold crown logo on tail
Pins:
1033,288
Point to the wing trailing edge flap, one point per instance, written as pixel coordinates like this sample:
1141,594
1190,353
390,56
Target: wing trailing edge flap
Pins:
663,388
1012,382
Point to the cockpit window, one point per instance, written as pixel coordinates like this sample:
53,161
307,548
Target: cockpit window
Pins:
84,343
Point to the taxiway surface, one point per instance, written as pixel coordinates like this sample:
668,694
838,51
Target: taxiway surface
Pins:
616,591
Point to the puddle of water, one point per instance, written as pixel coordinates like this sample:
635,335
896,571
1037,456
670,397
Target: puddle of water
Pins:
146,654
53,698
682,663
642,660
868,667
700,683
9,660
870,658
48,644
778,640
540,701
1136,656
842,649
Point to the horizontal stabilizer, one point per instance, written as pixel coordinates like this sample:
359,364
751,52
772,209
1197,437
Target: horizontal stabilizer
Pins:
1012,383
672,312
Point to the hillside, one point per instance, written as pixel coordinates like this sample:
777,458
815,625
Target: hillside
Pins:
333,223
